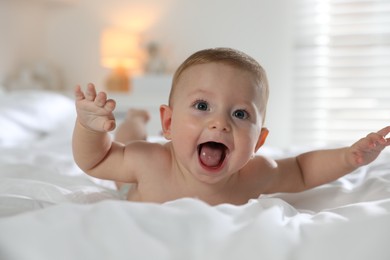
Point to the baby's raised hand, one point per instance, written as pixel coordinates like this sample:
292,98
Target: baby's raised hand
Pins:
368,148
94,111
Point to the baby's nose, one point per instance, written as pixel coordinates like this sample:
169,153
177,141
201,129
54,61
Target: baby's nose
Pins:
220,123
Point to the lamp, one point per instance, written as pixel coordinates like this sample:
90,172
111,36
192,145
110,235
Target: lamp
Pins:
119,53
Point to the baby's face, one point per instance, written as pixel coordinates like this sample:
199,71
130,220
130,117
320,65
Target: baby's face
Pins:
216,120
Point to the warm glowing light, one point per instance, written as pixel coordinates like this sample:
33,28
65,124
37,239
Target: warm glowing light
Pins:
137,17
120,53
119,49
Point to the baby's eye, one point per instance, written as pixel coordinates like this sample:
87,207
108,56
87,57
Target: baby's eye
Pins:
201,105
241,114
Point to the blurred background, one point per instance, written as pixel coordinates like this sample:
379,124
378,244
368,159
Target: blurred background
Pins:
328,62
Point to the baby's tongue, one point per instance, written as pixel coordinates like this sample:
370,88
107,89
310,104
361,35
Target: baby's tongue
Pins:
210,154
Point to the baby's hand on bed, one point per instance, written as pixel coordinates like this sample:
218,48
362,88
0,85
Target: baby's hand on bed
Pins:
368,148
94,111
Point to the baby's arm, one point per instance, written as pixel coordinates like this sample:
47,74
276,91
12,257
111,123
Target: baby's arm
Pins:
321,167
93,150
315,168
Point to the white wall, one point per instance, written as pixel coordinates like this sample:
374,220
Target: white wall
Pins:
260,28
22,33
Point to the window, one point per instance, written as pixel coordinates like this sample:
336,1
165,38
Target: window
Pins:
342,70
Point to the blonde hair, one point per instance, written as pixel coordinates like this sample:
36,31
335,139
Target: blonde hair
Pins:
230,57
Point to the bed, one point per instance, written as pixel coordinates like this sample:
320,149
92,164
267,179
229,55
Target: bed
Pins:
49,209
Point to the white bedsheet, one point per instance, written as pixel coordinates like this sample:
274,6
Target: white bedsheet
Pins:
50,210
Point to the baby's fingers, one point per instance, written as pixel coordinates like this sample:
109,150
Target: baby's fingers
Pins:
385,131
90,93
110,105
109,125
375,141
379,138
100,99
79,95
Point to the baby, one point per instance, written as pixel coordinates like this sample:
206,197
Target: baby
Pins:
214,127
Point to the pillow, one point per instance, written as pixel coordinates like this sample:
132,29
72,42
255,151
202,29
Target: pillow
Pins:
26,115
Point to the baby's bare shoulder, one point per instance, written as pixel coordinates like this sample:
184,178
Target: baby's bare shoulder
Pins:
139,156
148,151
258,174
154,167
260,165
144,145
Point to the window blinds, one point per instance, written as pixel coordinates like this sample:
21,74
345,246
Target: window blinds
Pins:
342,70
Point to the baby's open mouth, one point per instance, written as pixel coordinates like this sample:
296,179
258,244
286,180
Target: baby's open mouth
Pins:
212,154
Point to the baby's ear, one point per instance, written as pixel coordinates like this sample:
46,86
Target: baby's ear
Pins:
166,119
263,135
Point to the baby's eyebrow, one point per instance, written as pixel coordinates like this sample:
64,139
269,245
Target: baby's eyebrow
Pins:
200,92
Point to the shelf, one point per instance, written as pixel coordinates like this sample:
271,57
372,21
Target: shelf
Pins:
149,92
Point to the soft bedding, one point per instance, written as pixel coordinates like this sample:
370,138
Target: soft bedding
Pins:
49,209
28,114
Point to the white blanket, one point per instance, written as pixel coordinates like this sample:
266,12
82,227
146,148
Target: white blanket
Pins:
49,209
